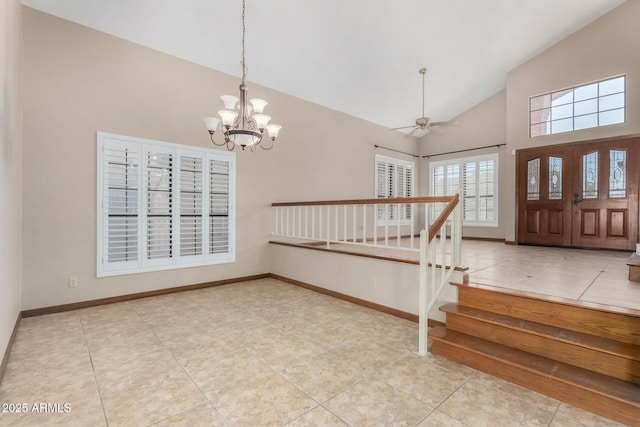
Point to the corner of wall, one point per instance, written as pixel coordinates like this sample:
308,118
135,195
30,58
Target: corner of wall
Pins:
10,175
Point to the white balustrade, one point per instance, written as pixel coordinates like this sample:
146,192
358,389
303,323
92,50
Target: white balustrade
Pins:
378,223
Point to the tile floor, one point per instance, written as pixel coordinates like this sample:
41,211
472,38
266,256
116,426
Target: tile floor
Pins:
259,353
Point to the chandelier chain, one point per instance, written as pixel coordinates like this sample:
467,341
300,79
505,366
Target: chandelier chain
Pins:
244,65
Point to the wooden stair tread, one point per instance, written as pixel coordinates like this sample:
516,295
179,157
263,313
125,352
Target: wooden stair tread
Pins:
553,299
625,350
595,382
622,325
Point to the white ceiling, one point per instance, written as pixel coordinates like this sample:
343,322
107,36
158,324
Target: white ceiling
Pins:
360,57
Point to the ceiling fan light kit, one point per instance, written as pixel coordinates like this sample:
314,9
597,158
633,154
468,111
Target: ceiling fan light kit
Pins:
425,124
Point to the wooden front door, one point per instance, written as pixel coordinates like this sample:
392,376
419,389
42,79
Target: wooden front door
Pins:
581,195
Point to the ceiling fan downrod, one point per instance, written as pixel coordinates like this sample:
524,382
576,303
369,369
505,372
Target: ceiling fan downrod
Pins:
423,71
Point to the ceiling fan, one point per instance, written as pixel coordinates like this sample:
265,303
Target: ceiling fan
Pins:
424,124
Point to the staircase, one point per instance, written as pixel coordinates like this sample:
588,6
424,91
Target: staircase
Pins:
586,355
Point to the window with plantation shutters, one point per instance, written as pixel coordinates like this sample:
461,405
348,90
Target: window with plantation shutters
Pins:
394,178
162,205
477,178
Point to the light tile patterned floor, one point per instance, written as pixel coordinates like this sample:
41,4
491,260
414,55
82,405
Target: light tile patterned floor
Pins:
260,353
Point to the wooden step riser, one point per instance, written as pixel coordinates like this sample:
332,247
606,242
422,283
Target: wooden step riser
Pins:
606,406
614,326
587,358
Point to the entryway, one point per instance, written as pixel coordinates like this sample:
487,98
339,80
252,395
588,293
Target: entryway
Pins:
581,194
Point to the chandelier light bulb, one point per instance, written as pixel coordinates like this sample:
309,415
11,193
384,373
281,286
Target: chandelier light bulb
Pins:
229,102
262,120
228,117
273,130
211,123
258,104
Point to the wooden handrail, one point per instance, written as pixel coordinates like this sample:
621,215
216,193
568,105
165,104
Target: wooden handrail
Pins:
439,222
401,200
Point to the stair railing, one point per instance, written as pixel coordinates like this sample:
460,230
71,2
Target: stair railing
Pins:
383,223
434,258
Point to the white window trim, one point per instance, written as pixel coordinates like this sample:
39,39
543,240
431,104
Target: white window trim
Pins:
397,162
141,264
460,162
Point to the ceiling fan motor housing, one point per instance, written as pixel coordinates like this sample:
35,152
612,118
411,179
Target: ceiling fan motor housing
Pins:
423,122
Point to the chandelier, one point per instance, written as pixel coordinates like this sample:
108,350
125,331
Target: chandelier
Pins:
243,124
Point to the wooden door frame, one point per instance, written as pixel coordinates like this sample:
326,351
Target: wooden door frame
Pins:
522,151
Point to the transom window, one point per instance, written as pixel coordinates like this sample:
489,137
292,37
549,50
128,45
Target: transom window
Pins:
587,106
477,177
162,205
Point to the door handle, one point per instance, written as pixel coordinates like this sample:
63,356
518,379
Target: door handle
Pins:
576,198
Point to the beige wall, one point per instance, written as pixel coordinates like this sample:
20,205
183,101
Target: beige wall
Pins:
607,47
78,81
10,164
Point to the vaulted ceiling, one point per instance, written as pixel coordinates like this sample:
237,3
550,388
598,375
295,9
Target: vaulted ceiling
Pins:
360,57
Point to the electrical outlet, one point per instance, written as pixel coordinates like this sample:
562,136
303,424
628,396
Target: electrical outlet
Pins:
257,260
73,282
374,282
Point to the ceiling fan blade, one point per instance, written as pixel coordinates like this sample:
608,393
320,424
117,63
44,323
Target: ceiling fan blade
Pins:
404,127
422,132
450,123
415,128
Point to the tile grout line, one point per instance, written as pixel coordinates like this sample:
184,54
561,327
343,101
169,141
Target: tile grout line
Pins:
452,393
185,372
93,369
590,284
319,404
555,413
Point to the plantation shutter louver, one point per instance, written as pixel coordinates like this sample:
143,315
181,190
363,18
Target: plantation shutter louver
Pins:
486,199
159,205
121,184
191,177
469,192
394,179
382,184
391,190
219,206
407,190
